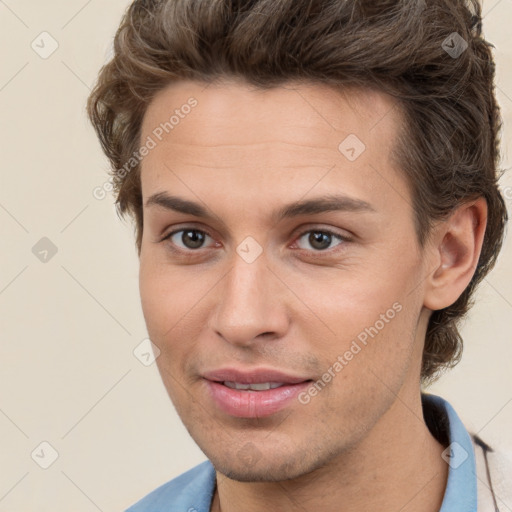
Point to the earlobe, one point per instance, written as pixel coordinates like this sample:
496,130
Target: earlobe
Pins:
457,247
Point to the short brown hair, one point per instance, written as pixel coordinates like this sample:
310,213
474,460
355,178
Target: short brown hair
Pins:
429,54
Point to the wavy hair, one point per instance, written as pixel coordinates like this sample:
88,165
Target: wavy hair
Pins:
429,54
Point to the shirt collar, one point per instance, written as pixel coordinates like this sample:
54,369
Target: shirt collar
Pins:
446,426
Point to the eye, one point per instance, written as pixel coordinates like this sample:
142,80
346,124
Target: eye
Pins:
189,238
321,239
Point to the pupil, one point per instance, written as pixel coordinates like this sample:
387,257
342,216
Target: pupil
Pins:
318,236
196,237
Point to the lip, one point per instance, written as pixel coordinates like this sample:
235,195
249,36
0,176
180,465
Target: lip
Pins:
253,404
252,376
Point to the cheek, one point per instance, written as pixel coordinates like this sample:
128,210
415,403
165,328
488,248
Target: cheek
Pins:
162,309
150,294
347,306
158,298
371,321
171,308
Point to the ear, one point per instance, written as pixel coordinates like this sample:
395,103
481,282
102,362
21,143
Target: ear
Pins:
455,245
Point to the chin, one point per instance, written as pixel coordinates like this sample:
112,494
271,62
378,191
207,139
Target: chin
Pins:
265,469
259,474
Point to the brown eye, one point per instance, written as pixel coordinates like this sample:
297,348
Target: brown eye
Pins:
320,240
188,238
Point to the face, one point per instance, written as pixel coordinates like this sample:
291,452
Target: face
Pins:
279,257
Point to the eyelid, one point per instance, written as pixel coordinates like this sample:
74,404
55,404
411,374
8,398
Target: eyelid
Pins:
191,225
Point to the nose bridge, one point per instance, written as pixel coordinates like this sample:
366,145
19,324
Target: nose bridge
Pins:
246,305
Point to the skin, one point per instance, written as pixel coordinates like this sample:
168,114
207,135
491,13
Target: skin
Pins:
361,442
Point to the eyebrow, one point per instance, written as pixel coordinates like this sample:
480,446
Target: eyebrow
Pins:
325,203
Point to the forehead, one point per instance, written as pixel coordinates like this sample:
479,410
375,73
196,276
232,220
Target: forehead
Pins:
288,112
237,138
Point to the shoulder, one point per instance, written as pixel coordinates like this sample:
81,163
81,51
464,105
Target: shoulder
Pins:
192,491
492,466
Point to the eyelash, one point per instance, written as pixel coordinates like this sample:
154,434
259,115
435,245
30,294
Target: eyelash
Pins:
341,238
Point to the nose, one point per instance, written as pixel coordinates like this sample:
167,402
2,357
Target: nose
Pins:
250,304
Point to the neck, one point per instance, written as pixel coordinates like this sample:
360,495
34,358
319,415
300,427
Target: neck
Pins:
397,466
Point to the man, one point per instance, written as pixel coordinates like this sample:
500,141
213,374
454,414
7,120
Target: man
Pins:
314,187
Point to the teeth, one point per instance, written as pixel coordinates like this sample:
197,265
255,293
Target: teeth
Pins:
263,386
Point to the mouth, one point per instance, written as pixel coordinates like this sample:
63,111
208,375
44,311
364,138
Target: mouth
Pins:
255,393
263,386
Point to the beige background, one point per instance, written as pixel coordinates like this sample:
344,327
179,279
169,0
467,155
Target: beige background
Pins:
70,325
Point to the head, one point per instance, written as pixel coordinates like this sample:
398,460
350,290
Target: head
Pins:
247,108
